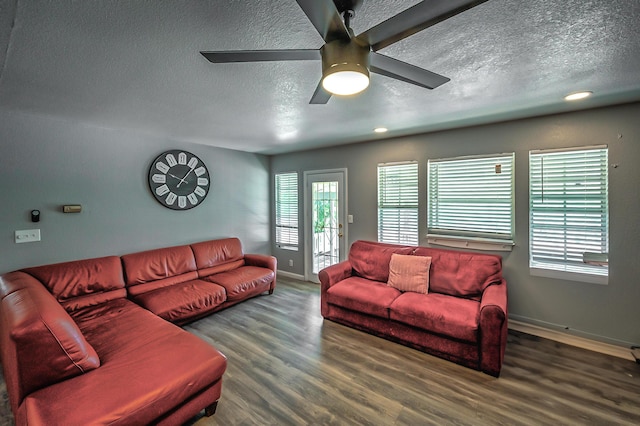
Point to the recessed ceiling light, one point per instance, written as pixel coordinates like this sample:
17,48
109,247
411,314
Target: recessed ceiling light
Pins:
380,129
578,95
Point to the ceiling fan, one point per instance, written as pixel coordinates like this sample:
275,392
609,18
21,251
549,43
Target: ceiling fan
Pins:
347,59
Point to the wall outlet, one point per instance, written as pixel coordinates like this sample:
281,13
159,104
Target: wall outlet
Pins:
290,262
27,235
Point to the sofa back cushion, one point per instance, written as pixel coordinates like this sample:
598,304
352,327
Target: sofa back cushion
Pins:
82,283
216,256
371,259
41,344
152,269
462,274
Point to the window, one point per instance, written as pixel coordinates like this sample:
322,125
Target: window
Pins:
398,203
569,214
471,199
287,210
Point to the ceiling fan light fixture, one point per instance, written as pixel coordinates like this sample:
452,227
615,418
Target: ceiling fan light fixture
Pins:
345,67
346,79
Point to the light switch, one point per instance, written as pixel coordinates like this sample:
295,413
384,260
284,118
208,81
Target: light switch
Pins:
350,218
27,235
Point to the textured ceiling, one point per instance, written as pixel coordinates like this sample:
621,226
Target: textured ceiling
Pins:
136,65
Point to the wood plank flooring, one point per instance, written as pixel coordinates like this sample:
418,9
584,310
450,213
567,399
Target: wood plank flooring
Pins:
289,367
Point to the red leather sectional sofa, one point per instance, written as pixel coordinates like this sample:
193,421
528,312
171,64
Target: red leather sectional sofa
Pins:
92,341
462,317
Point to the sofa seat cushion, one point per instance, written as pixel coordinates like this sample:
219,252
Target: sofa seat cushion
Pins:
363,295
438,313
184,300
244,282
149,367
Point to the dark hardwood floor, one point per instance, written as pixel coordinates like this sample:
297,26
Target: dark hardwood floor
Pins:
289,367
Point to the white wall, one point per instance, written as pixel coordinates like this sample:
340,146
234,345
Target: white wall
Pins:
608,313
45,163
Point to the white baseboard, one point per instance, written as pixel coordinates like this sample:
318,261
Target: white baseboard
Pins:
290,275
580,342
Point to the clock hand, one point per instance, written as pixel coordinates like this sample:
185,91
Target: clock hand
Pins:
184,178
176,177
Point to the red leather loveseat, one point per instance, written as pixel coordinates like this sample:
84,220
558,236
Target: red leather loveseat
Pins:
458,310
78,349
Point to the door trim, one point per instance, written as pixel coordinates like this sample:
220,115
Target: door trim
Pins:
308,243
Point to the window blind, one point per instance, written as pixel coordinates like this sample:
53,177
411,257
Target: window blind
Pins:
398,203
286,204
569,211
471,197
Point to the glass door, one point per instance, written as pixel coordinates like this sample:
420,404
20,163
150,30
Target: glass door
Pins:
325,213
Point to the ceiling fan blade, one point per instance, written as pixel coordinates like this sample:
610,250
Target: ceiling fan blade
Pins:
413,20
320,96
262,55
384,65
324,15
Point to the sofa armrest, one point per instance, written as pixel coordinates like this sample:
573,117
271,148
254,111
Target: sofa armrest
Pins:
262,260
334,274
493,328
329,276
40,343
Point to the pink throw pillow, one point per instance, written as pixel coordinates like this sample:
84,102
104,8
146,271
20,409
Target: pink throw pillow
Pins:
409,273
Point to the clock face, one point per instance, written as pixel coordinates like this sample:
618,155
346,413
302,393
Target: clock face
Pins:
179,180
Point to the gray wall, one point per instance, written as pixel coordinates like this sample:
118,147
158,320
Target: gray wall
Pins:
45,163
609,313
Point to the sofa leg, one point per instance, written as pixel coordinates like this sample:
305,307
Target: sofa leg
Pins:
271,291
210,410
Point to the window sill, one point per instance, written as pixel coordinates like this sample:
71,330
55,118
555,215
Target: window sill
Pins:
290,248
485,244
569,276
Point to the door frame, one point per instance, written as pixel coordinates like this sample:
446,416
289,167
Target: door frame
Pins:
342,205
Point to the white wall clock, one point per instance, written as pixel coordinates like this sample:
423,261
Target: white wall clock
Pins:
178,179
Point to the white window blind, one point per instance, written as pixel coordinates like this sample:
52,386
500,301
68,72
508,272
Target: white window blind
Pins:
398,203
471,197
287,210
569,210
